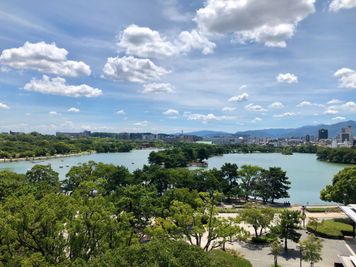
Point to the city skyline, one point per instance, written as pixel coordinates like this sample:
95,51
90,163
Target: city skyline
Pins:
167,66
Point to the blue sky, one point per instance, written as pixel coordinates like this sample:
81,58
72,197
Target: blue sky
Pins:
167,66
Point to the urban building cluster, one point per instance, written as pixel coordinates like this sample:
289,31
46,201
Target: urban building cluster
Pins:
344,139
135,136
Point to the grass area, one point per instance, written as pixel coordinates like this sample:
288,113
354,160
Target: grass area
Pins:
335,229
228,210
320,209
228,259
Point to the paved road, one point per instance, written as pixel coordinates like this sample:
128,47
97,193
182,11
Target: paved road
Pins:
259,255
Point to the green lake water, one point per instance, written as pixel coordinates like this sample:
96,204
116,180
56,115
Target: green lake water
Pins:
307,175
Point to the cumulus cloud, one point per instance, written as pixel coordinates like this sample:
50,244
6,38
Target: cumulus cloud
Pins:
304,104
286,114
155,88
54,113
331,111
195,40
257,119
141,123
148,43
228,109
338,118
286,78
74,110
171,112
349,106
58,86
335,101
120,112
144,42
268,22
43,57
255,108
336,5
276,105
205,118
4,106
347,77
132,69
239,98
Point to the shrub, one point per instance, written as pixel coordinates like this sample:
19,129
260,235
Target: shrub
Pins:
334,229
227,258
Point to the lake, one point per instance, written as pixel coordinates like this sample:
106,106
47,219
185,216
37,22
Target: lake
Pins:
307,175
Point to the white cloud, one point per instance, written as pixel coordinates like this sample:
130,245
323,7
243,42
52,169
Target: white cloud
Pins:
195,40
338,118
276,105
228,109
58,86
144,42
132,69
286,114
347,77
171,112
257,119
242,87
304,104
120,112
208,117
43,57
336,5
155,88
54,113
239,98
286,78
335,102
4,106
268,22
141,123
74,110
255,108
331,111
349,106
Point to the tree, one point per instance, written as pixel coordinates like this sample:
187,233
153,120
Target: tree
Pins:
287,226
249,175
192,224
273,184
276,249
258,217
12,183
230,174
343,187
311,249
44,179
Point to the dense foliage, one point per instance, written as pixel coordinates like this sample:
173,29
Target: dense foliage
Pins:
103,215
343,187
37,145
337,155
184,153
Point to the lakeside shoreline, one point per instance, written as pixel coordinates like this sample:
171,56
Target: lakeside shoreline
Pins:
58,156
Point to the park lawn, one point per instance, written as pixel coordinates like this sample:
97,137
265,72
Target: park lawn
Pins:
329,209
229,259
334,229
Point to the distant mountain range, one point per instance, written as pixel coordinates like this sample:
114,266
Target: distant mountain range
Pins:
334,130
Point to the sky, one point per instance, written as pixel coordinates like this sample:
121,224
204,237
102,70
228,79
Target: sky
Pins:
169,65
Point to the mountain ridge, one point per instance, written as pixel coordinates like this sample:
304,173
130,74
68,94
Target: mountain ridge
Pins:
312,130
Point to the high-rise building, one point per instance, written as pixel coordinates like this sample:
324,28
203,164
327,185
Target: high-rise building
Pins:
323,134
346,134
